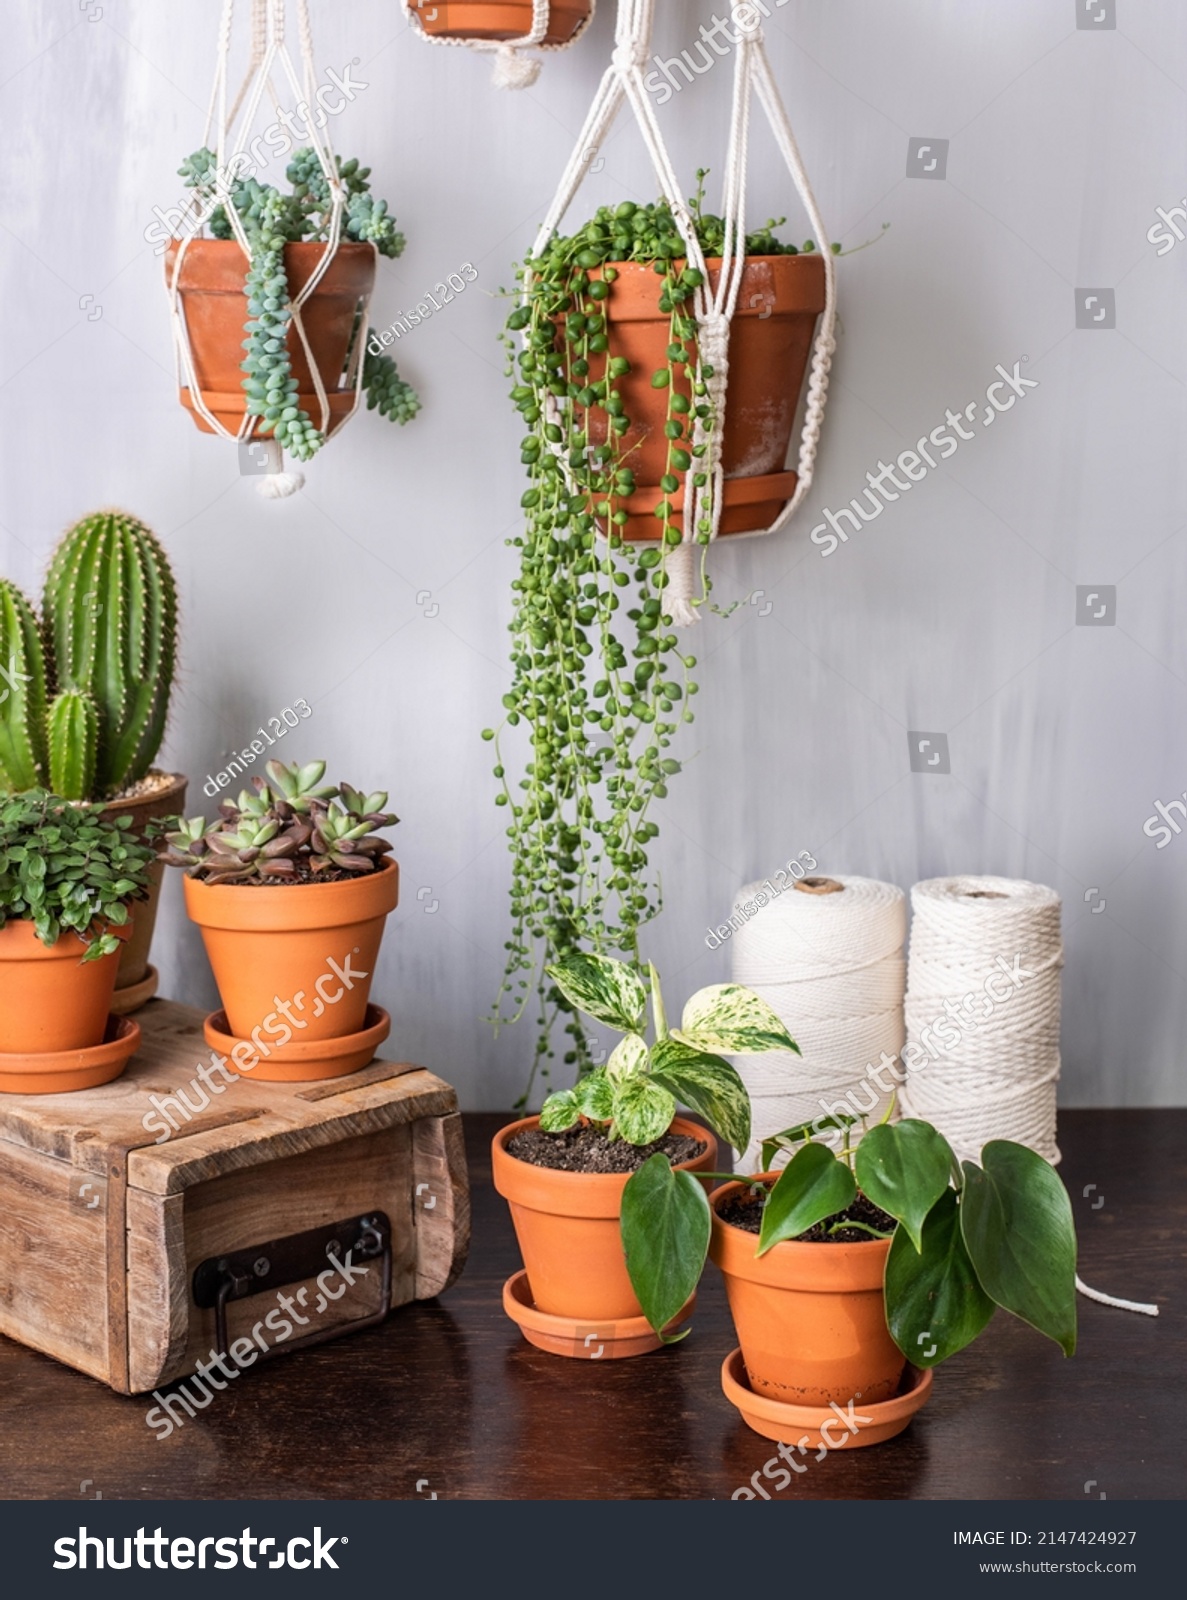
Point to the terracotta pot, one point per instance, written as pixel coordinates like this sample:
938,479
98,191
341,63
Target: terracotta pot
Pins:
50,999
567,1227
134,968
499,19
211,286
64,1071
770,344
303,1060
307,947
810,1317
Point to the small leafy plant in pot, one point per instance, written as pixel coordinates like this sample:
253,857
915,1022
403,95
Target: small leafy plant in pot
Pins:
583,1178
291,887
231,306
871,1258
86,695
68,880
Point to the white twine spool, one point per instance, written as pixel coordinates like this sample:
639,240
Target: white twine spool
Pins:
831,967
982,1012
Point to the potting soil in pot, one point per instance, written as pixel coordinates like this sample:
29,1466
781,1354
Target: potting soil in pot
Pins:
744,1210
586,1149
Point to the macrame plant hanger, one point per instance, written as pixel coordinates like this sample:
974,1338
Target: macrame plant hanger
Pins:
714,307
513,70
233,127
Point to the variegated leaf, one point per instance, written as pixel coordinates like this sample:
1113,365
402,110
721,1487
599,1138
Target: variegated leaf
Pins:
643,1110
595,1096
603,989
628,1057
560,1111
728,1017
708,1084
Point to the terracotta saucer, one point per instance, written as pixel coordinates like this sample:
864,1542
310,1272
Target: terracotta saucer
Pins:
125,1001
586,1341
801,1425
299,1061
61,1071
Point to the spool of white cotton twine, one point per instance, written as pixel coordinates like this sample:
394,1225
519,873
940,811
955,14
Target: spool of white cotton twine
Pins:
826,954
982,1012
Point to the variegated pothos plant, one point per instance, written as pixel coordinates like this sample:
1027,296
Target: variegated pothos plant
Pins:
634,1096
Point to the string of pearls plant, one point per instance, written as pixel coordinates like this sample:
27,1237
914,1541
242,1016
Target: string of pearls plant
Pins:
600,682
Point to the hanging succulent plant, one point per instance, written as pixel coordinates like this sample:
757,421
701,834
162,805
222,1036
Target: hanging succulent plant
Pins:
271,220
601,680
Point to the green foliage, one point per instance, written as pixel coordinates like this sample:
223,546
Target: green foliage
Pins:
287,826
665,1237
64,867
970,1237
86,694
270,220
601,684
634,1095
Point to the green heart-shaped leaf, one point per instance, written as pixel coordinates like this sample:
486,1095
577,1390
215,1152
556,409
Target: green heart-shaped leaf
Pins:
665,1235
904,1167
560,1111
708,1084
595,1096
813,1185
934,1303
1017,1224
725,1016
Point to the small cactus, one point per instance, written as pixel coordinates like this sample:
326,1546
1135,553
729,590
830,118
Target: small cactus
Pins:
105,650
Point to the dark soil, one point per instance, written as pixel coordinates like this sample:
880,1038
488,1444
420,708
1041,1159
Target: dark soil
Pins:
744,1210
303,874
587,1149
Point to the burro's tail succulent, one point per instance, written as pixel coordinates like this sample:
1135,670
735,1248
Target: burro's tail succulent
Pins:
85,695
110,617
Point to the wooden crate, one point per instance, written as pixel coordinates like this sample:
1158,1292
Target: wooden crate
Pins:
104,1222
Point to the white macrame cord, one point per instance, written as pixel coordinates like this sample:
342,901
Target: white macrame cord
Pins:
233,128
512,69
713,308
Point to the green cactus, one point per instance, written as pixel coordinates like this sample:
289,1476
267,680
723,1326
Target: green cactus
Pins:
22,693
73,744
110,615
105,651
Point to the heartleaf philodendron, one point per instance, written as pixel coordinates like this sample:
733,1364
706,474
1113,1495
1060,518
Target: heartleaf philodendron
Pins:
904,1167
665,1237
1017,1224
812,1186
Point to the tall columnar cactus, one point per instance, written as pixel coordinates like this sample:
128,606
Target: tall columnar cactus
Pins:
110,617
22,693
106,650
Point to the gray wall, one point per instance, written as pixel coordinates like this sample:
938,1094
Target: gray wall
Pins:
381,593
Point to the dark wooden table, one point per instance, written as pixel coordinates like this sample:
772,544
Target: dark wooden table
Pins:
446,1398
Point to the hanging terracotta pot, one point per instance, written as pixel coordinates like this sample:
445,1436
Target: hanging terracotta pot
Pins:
297,958
769,347
499,20
214,303
136,982
51,1000
567,1224
810,1317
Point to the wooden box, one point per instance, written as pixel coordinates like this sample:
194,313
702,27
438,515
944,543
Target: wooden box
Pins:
113,1227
